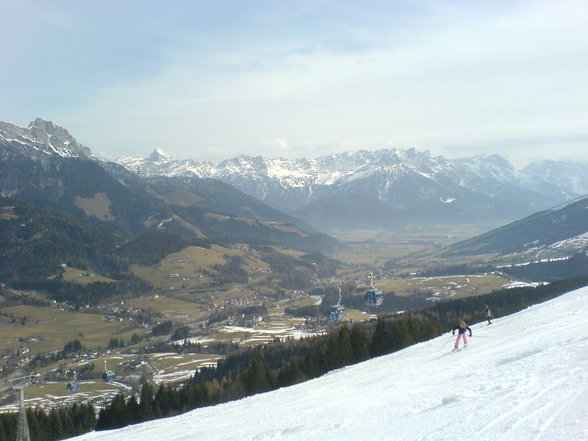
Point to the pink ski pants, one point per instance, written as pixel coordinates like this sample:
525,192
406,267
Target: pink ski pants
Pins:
465,340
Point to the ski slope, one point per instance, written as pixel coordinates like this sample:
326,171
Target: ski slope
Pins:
525,377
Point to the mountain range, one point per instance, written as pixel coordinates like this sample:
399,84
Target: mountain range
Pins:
390,188
245,198
44,171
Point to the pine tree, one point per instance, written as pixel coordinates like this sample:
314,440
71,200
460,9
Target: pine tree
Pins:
74,412
258,377
55,425
101,423
380,340
164,401
114,415
339,351
2,430
359,344
133,409
404,333
88,417
36,428
201,396
146,412
291,373
41,420
214,390
65,415
312,364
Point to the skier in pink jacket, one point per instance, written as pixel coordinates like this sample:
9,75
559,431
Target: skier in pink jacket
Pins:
461,329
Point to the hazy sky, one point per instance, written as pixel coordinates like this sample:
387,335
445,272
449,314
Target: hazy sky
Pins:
213,79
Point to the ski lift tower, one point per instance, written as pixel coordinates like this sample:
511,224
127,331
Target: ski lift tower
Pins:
22,430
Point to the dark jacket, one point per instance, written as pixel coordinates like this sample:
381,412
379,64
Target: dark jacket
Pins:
461,329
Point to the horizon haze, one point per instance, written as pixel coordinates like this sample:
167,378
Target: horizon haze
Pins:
213,81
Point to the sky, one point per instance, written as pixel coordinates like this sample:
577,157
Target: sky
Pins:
522,378
210,80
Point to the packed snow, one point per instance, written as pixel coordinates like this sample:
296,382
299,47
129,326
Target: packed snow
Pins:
524,377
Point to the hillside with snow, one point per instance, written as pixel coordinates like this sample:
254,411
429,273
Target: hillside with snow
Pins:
522,378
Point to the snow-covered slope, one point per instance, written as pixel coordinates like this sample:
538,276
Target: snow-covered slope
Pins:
525,377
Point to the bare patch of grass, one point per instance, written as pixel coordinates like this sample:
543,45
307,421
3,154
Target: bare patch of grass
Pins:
83,277
97,206
47,329
446,286
189,268
167,305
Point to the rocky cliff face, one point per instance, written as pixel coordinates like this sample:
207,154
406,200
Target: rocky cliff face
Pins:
40,138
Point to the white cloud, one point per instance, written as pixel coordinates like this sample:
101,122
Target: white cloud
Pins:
460,79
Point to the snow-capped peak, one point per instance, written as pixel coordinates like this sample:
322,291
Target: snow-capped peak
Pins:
159,155
385,174
42,138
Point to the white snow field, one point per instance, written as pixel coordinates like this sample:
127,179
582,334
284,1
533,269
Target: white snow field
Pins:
525,377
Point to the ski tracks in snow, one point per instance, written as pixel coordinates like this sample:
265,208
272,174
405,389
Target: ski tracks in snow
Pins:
519,414
524,378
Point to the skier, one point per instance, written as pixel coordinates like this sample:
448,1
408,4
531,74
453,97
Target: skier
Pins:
461,329
488,314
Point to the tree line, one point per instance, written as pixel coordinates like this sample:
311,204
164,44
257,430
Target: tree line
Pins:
58,423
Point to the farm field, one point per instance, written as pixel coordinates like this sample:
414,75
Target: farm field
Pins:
83,277
443,286
169,306
193,267
375,248
45,329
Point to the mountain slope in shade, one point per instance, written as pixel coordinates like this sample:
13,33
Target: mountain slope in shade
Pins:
34,242
522,378
537,232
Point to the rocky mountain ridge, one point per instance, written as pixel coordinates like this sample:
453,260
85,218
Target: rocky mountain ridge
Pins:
399,185
389,188
45,166
41,138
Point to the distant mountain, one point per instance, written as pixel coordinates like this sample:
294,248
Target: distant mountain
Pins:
388,188
40,139
546,234
45,166
563,174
